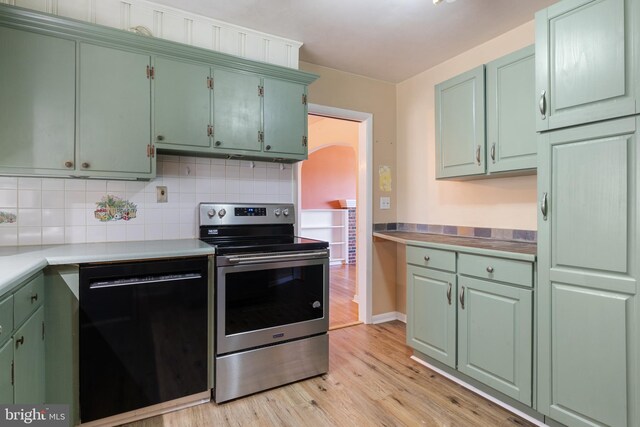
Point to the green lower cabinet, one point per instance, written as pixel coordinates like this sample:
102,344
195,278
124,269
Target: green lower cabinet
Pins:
431,313
495,336
181,104
285,119
6,372
29,375
588,369
114,113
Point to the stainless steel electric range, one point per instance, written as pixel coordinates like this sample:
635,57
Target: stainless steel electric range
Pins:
272,298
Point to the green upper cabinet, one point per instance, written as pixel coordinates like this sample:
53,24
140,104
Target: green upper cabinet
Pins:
237,112
588,269
586,62
460,125
29,385
181,104
495,335
37,105
285,119
511,129
114,113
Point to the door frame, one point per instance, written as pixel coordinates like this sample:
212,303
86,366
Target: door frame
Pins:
364,201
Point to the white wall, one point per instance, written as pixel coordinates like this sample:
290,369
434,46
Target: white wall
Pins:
58,210
175,25
497,203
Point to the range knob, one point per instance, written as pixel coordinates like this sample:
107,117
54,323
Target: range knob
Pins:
285,212
276,212
211,213
222,213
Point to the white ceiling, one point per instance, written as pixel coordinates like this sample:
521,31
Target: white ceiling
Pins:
389,40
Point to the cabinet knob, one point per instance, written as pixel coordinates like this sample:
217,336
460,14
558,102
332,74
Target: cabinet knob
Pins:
68,164
85,165
478,155
449,293
19,341
160,137
542,104
218,143
493,152
427,257
462,298
489,269
34,298
268,147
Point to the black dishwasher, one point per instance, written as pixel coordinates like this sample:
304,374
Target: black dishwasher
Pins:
143,334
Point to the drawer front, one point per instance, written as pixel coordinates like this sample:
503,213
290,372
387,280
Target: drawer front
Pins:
6,318
499,269
432,258
28,299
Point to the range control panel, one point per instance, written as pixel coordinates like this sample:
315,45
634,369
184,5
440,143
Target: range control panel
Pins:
246,213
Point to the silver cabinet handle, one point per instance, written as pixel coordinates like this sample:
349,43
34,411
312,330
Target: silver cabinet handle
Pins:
542,104
462,297
427,257
478,154
489,270
68,164
85,165
493,152
449,294
544,206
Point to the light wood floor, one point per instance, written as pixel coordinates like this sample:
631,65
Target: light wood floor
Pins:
371,382
342,310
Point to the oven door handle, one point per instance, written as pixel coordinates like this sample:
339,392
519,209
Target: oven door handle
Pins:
278,257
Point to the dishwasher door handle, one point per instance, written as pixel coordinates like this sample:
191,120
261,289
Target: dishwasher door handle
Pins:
144,280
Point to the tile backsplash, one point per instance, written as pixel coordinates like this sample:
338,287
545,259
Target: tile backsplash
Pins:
35,211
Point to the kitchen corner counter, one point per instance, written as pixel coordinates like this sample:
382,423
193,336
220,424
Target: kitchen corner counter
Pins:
20,262
498,248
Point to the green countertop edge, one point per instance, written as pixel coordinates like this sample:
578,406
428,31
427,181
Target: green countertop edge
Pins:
457,248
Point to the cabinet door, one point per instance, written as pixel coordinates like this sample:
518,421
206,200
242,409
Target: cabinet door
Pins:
29,383
586,65
511,129
237,117
114,114
37,105
6,371
181,105
460,127
495,334
285,119
588,266
431,313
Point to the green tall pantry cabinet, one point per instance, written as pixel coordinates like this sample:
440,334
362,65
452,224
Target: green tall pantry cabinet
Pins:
588,223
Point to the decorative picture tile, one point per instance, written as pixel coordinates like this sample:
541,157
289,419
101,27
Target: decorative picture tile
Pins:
7,217
114,208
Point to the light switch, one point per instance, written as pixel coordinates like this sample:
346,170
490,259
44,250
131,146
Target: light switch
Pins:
385,202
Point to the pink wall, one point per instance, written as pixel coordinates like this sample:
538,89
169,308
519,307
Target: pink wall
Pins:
328,175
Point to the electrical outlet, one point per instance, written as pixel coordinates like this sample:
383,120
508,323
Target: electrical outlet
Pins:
385,202
162,194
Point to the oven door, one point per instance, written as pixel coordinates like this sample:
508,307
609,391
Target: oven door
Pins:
263,299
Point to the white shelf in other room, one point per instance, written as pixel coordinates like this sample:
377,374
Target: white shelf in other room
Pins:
329,225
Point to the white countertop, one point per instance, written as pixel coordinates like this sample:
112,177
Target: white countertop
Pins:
17,263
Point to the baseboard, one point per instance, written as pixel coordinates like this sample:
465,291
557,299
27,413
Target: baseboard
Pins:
480,392
389,317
